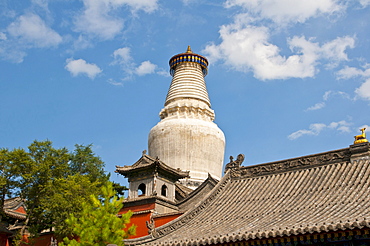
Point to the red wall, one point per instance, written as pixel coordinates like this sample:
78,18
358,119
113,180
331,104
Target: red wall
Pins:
140,219
43,240
4,240
165,219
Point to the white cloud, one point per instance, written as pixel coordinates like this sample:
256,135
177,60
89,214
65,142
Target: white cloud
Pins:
315,129
285,11
365,3
99,19
341,126
163,72
42,4
334,51
364,90
145,5
95,20
145,67
317,106
325,97
115,83
32,30
82,43
122,56
80,66
3,36
7,52
188,2
336,48
247,48
351,72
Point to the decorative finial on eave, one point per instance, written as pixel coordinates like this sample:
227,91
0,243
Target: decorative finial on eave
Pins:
361,138
189,50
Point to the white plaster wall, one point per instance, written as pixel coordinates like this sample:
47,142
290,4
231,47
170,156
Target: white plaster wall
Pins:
170,188
133,189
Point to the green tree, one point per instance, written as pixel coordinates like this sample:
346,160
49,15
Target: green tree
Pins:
53,182
65,197
120,189
83,161
98,223
10,173
37,177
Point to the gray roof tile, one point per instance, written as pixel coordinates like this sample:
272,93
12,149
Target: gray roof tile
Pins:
306,198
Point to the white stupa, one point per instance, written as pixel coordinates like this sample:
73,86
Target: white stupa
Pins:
186,137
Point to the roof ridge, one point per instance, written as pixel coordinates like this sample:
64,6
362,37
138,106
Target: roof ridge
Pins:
291,164
210,179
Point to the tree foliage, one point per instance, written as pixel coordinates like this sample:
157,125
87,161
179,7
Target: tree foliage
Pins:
98,223
10,163
53,182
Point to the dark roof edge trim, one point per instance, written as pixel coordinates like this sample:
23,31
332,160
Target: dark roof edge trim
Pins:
309,161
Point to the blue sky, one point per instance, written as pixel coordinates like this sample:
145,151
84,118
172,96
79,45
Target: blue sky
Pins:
286,78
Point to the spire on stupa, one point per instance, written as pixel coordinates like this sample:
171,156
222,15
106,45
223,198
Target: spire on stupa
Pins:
188,87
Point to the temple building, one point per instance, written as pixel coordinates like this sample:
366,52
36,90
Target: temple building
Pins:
180,198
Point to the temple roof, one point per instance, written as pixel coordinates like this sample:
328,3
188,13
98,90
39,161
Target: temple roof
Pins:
15,208
311,194
197,195
146,162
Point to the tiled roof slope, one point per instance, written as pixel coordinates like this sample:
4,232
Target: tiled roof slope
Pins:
197,194
312,194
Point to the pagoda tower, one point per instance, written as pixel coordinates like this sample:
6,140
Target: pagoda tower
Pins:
186,137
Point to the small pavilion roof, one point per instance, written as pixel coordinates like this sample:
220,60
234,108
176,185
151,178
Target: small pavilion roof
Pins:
311,194
147,162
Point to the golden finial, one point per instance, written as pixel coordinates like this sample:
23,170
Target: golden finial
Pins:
189,50
361,138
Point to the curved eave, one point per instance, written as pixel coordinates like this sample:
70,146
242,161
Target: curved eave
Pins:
127,170
15,215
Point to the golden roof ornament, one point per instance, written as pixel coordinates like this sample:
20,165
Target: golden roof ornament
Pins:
361,138
189,50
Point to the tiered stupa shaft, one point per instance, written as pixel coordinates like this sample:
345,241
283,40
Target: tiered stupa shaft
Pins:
186,137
